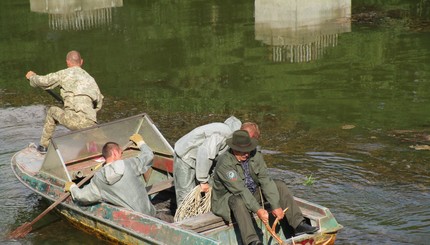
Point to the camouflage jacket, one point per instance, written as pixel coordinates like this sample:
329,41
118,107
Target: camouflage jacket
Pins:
78,89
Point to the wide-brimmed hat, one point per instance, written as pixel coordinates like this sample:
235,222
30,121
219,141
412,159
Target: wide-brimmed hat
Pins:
242,142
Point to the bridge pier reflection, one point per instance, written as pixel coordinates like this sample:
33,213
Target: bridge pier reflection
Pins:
298,31
76,15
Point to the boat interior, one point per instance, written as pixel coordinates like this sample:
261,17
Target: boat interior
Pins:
74,156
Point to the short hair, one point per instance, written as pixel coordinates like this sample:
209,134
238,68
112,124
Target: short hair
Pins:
74,57
108,148
252,129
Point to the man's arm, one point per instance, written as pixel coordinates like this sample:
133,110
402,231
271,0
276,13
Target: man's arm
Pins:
49,81
143,161
268,186
206,153
87,195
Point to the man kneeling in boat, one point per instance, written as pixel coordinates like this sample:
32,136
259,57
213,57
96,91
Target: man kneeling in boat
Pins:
119,181
240,177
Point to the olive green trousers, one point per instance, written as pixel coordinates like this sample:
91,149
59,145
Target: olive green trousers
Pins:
245,222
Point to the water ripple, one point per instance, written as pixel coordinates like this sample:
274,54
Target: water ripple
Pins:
374,207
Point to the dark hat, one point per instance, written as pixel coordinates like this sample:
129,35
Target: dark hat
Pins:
242,142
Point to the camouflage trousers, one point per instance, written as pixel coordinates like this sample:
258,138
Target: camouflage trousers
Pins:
67,118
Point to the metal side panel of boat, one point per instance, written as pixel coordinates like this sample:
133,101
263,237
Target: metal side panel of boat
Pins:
130,227
228,234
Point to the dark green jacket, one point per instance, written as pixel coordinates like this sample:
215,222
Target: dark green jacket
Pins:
229,179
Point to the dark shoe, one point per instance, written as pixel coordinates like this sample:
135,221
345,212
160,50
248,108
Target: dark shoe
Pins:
256,243
41,149
305,228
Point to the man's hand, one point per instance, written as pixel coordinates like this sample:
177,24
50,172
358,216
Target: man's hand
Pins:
263,215
205,187
68,186
278,213
137,138
30,74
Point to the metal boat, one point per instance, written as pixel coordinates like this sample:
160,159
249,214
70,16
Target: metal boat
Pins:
75,155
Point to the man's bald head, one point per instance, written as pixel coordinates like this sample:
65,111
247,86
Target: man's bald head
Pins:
73,58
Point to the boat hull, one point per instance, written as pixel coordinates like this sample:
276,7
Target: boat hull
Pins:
66,160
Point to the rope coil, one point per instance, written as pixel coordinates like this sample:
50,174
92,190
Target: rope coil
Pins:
194,203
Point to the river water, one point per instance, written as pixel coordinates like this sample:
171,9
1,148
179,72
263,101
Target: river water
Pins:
340,89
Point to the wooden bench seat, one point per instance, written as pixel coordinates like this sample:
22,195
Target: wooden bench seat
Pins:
203,222
208,221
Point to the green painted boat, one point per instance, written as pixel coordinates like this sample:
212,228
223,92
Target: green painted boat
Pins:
73,156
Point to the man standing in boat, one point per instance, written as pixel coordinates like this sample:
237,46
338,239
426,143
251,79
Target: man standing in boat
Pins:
80,93
195,153
241,180
120,181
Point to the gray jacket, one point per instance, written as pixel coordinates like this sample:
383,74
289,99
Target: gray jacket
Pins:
120,183
199,147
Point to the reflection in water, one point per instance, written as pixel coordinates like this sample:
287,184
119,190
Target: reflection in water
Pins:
299,31
76,15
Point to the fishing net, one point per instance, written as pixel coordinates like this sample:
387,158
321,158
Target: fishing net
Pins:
194,203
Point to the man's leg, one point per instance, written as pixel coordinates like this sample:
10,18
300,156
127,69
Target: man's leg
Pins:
294,214
75,121
69,119
243,219
184,177
54,115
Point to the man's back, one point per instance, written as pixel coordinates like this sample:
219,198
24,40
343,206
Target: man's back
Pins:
119,185
80,91
197,136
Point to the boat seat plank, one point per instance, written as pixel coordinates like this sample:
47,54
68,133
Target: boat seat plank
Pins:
163,163
202,222
160,186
